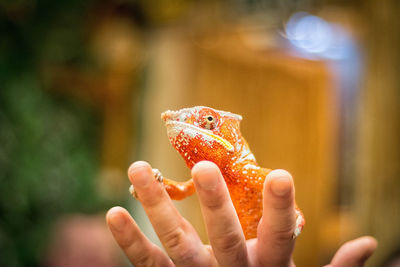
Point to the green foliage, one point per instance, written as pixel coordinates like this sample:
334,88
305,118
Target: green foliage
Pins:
47,167
48,157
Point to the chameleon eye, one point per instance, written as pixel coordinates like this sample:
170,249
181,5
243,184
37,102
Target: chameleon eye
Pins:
208,122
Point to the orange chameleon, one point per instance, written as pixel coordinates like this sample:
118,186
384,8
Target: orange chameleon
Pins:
202,133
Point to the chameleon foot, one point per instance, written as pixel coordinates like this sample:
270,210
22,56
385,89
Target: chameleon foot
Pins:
299,224
133,192
157,175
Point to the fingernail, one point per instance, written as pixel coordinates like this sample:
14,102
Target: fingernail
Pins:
281,186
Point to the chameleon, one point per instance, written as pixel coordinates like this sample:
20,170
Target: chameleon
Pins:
202,133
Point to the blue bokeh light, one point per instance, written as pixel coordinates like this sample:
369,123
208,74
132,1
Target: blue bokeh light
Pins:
313,37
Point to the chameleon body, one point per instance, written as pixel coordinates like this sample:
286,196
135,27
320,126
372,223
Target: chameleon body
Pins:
202,133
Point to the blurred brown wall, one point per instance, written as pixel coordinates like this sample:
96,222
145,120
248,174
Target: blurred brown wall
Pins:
378,181
289,110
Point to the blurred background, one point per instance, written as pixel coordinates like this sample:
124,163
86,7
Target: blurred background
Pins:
83,83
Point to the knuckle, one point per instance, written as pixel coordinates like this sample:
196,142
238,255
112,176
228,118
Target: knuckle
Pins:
177,248
214,204
228,242
141,255
173,238
143,260
282,236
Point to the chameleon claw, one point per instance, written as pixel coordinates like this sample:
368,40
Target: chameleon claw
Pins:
133,192
157,175
296,233
299,225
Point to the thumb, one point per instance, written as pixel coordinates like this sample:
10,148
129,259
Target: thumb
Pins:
355,252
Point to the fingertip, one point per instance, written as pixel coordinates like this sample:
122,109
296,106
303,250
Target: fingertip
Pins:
203,166
206,175
355,252
137,165
115,210
279,173
280,182
369,243
137,168
116,218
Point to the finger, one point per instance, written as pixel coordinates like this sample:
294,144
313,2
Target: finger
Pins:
354,253
223,227
275,230
177,236
139,250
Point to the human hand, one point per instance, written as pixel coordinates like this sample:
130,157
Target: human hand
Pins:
272,247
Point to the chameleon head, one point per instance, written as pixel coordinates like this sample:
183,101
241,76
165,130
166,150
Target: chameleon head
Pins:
202,133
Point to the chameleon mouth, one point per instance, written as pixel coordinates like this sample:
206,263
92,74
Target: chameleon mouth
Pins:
174,128
169,115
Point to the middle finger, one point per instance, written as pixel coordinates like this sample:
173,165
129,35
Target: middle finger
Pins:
223,227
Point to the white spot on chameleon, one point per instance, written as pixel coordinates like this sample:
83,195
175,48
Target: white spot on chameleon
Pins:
251,166
181,187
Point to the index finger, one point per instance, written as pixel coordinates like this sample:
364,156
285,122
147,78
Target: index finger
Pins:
275,243
178,237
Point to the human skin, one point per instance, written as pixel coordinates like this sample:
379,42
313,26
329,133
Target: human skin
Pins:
273,246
